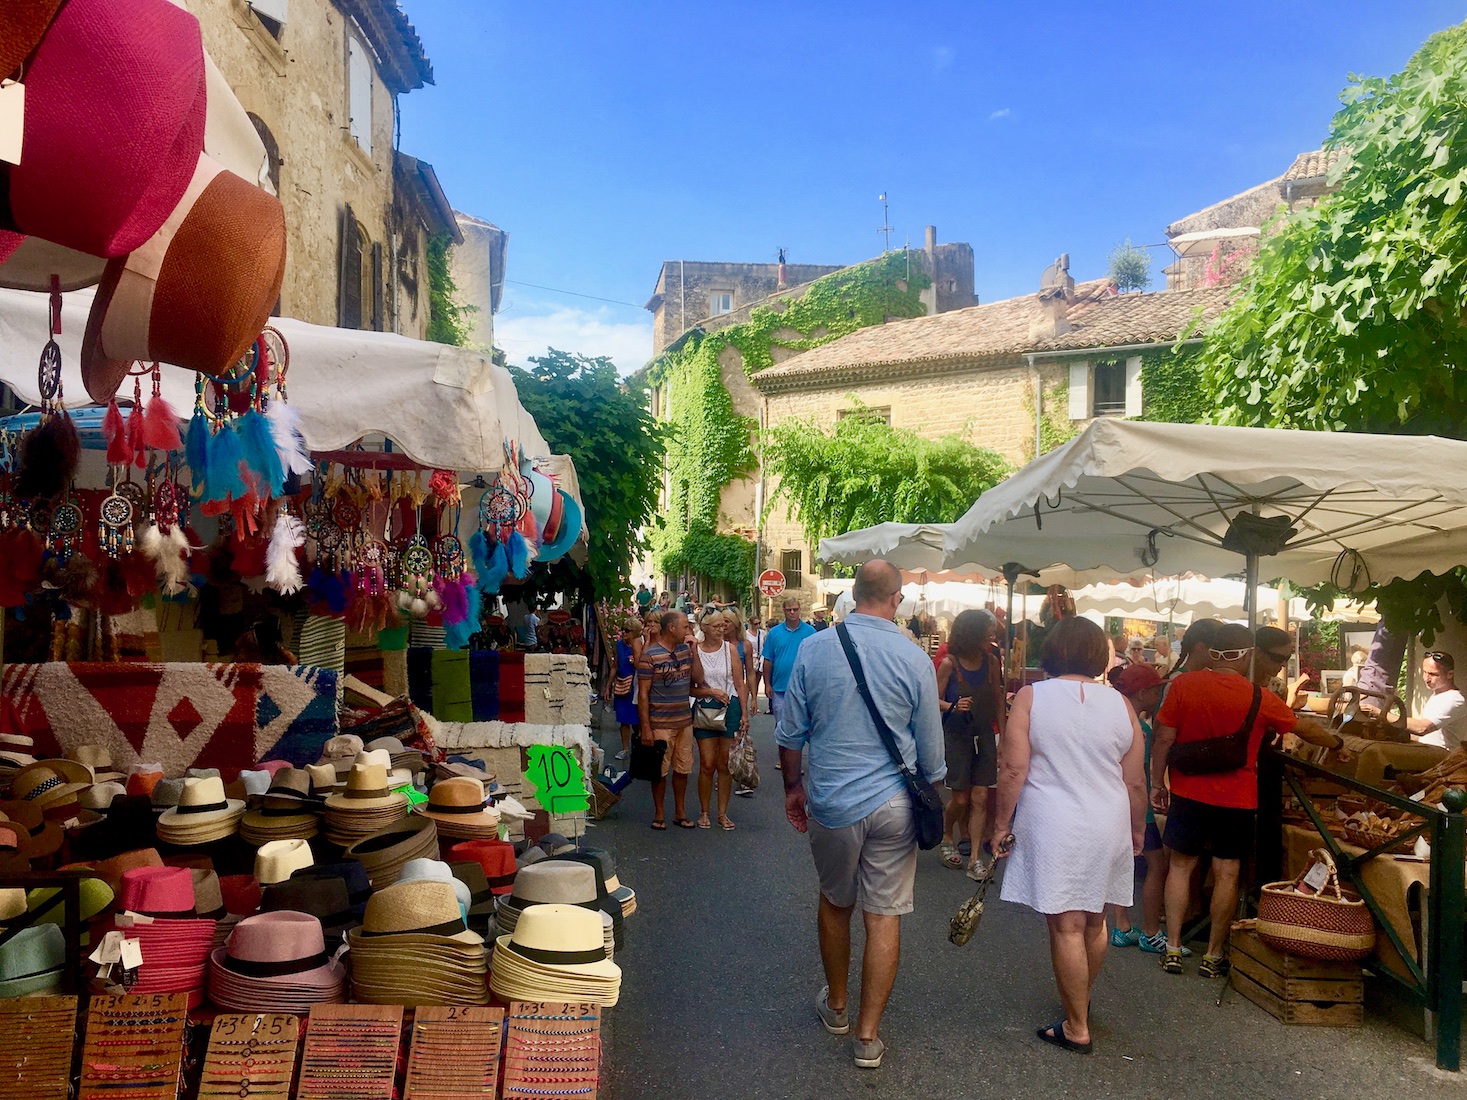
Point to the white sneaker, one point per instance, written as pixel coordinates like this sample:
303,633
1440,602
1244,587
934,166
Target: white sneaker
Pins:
622,755
868,1055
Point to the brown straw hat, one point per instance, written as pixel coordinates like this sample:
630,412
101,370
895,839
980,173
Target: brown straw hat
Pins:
49,783
385,852
460,809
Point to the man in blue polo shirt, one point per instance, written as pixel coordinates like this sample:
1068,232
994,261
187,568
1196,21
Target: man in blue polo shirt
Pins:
781,645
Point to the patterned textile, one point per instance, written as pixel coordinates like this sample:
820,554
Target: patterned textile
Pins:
225,716
557,690
511,687
322,642
395,672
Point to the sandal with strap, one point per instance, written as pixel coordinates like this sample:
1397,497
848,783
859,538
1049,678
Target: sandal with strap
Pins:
726,824
951,857
1054,1034
704,823
1171,960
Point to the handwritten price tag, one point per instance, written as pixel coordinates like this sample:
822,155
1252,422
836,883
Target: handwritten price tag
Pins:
560,785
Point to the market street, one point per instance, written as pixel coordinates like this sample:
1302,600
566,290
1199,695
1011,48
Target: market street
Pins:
722,967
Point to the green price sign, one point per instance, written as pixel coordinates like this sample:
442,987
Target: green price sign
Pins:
559,783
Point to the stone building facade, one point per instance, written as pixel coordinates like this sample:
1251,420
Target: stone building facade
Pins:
478,265
688,291
320,79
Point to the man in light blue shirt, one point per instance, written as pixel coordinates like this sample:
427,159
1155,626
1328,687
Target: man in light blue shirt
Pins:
781,647
856,808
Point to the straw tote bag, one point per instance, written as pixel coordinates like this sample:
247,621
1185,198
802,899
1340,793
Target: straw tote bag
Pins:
1332,925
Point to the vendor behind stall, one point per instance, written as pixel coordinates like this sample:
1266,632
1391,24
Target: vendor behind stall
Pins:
1443,719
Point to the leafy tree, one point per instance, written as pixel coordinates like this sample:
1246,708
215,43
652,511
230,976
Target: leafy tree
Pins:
1351,315
864,471
1130,267
585,409
449,322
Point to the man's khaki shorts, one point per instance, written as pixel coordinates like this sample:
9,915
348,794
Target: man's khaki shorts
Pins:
873,862
679,754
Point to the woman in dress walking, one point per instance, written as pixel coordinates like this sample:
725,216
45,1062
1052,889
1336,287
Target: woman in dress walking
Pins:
624,687
1072,812
723,679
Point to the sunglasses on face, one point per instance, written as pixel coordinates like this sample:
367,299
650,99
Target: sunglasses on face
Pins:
1277,658
1228,654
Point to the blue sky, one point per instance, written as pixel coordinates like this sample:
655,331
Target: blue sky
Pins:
607,137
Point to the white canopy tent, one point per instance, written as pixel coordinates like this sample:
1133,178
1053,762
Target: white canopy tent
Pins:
1136,498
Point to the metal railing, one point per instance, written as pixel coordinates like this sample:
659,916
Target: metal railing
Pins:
1437,985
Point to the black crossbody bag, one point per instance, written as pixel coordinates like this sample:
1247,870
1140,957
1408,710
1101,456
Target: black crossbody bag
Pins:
926,802
1217,754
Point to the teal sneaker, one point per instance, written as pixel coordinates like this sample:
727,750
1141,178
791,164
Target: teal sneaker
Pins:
1156,944
1129,938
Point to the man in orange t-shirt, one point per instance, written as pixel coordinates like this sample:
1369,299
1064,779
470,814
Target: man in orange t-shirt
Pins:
1216,811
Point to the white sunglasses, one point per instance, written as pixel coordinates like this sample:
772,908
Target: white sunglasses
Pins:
1228,654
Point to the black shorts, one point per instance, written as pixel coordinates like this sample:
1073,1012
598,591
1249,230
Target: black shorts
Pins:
1196,827
971,755
1152,843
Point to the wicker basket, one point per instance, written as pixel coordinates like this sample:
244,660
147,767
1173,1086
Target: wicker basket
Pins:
1333,924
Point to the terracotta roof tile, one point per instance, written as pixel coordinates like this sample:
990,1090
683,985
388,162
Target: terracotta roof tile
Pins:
1312,165
1098,319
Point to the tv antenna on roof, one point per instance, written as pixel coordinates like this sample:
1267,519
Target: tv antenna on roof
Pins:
885,229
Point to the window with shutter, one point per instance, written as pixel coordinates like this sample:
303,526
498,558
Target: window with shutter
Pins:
1134,404
349,274
1079,391
1109,383
359,92
791,564
379,314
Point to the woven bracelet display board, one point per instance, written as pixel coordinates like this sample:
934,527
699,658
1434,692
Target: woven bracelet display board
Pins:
37,1036
552,1049
251,1057
351,1052
455,1052
134,1046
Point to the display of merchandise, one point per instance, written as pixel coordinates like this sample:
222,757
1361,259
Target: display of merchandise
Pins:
250,1057
351,1050
134,1047
37,1038
551,1048
454,1053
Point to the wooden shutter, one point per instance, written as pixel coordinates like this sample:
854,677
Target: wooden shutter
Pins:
1133,386
271,9
1079,391
349,274
359,93
378,313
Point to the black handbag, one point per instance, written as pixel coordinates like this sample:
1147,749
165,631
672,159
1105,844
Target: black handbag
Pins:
926,802
646,761
1217,754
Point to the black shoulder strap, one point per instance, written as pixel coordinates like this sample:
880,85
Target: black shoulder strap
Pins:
1246,729
887,737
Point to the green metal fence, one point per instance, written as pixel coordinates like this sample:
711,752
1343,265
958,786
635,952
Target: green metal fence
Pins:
1437,985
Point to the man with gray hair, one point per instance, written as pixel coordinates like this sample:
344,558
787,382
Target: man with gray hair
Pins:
856,808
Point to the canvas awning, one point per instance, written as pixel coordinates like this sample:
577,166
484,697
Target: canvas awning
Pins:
1138,498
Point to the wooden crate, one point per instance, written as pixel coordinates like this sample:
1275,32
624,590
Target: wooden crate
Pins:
1296,990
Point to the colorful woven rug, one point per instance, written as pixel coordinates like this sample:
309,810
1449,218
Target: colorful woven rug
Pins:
225,716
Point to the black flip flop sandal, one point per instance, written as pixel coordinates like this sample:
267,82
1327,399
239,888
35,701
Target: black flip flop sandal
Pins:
684,823
660,826
1054,1034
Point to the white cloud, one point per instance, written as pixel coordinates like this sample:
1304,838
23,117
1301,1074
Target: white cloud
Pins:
1002,112
569,328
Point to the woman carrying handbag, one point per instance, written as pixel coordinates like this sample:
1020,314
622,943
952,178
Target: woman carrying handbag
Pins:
718,715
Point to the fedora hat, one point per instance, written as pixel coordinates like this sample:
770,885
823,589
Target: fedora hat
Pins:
366,789
166,792
601,861
100,796
39,836
349,871
116,98
277,860
203,814
324,777
157,891
385,852
290,788
50,783
31,962
208,893
424,869
97,760
22,23
111,870
142,778
555,952
460,809
341,751
45,903
326,899
494,857
471,874
276,960
196,293
240,894
422,907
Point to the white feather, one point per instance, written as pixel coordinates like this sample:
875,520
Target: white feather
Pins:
282,569
169,554
285,429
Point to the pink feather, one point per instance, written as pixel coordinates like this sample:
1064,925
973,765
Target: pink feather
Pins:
114,431
160,426
135,437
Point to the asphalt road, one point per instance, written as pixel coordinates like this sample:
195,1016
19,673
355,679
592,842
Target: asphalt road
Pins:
721,968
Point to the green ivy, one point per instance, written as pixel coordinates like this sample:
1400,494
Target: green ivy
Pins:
1171,380
1055,427
449,322
710,444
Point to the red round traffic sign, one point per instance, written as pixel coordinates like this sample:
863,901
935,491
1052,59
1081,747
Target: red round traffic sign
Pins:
771,582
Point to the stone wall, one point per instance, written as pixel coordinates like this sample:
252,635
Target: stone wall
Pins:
683,289
475,275
297,87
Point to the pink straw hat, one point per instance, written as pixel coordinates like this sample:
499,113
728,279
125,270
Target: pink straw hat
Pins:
276,960
114,122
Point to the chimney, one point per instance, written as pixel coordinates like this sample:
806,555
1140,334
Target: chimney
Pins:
782,275
931,239
1051,316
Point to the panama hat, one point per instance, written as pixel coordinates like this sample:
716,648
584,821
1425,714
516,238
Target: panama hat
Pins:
481,898
324,778
100,796
46,903
365,806
50,783
116,99
385,852
601,861
424,869
550,882
97,760
287,810
203,814
427,907
460,809
341,752
396,777
351,872
555,953
31,961
276,962
195,294
279,859
554,844
22,23
414,948
494,857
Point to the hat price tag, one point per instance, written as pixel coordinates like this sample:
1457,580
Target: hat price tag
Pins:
109,950
132,954
12,119
1316,877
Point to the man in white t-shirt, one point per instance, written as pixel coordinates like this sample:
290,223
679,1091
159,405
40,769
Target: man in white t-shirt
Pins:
1443,719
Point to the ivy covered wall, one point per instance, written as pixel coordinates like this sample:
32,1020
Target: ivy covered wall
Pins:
711,445
1171,386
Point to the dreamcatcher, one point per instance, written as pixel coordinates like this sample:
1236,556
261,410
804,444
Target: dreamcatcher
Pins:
49,452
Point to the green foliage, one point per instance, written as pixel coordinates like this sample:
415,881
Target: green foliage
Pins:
1130,267
1351,316
1172,387
864,471
586,410
711,445
448,321
1055,427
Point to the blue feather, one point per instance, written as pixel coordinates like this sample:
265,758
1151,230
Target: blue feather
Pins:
479,552
223,480
570,530
519,555
260,454
493,571
196,451
457,636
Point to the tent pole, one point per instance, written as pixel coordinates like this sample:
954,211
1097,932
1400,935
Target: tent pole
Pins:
1250,598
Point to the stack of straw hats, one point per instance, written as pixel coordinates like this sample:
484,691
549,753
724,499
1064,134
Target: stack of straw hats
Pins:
461,810
600,860
202,816
403,758
435,870
414,949
276,962
175,942
554,954
558,882
279,859
496,857
287,810
386,852
353,876
364,807
52,785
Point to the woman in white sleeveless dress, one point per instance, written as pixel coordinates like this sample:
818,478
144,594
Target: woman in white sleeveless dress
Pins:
1071,812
